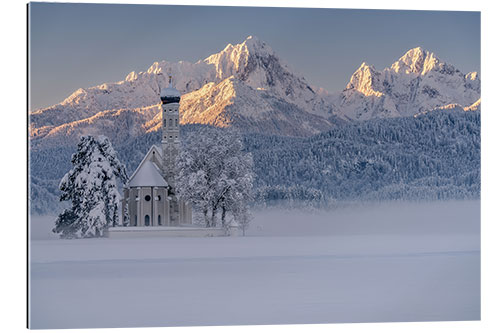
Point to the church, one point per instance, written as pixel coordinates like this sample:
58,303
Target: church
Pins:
149,197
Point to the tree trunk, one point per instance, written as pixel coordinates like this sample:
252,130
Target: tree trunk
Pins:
205,215
214,216
223,216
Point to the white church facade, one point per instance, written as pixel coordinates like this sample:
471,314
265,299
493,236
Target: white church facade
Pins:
149,197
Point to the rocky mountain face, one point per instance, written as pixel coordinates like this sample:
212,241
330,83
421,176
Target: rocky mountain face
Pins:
418,82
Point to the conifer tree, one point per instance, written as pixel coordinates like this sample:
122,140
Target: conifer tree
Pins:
91,187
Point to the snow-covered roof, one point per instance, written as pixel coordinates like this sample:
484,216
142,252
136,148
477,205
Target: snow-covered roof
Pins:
147,174
135,179
170,92
156,150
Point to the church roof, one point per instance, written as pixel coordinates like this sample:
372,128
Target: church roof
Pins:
170,92
147,174
154,148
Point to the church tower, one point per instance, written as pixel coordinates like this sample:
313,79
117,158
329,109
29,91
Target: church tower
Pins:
170,98
150,196
170,142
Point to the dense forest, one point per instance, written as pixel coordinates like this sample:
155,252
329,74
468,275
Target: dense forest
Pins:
435,156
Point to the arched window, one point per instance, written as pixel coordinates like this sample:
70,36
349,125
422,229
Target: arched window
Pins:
170,122
146,220
176,122
159,219
164,122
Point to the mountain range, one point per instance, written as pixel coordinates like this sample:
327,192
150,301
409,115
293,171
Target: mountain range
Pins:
249,87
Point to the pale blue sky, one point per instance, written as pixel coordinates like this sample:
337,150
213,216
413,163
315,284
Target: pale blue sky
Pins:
80,45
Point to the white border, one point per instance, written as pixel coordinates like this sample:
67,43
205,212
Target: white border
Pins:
13,164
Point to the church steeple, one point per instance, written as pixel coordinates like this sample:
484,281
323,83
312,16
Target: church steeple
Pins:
170,94
170,98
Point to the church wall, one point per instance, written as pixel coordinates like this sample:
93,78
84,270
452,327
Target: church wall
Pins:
145,206
140,207
166,208
160,197
132,205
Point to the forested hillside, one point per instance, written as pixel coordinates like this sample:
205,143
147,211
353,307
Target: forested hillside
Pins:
436,156
429,157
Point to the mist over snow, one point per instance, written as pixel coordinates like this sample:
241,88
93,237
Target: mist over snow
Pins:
374,218
382,218
363,263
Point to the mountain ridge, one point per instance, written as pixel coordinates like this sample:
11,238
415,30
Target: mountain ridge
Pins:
245,82
417,82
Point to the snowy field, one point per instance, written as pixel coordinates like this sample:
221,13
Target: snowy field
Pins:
377,263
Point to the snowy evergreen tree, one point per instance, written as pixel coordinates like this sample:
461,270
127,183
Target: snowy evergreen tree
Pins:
126,215
215,174
91,188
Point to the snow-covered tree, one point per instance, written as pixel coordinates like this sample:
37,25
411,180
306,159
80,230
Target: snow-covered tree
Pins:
235,186
126,215
241,215
214,173
91,187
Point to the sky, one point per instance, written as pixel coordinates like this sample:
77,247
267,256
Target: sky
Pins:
76,46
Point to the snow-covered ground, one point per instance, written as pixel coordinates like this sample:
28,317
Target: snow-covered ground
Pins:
387,262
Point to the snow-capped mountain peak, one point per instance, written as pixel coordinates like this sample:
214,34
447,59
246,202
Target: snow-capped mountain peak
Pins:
417,82
417,61
363,80
250,61
254,45
250,46
256,64
132,76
